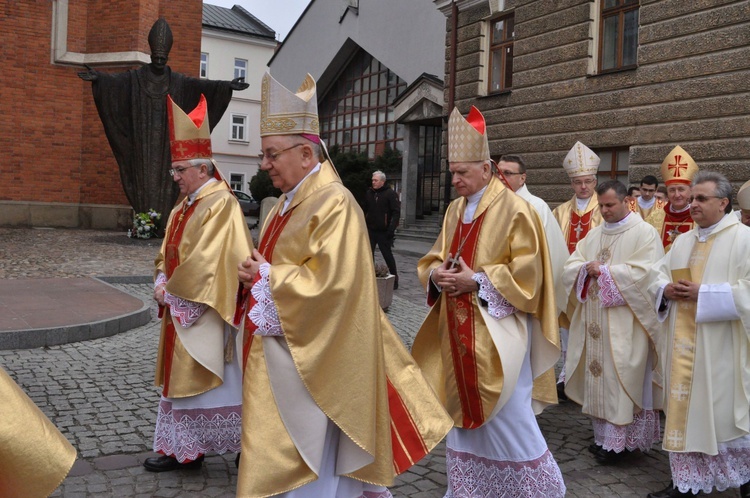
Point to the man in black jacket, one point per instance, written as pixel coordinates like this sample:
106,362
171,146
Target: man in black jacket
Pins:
382,210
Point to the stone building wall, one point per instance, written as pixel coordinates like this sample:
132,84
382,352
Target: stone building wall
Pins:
690,87
58,166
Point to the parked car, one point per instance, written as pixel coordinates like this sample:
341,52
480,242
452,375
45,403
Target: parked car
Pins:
250,207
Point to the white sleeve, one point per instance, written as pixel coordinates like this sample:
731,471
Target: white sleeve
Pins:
716,304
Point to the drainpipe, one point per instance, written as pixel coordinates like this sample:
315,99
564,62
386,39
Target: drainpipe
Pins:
451,89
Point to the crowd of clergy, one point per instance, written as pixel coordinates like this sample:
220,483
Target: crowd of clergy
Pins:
297,369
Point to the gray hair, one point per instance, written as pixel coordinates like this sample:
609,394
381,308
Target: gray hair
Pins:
209,163
723,187
380,175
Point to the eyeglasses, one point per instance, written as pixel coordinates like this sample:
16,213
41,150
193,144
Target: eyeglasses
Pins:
584,182
272,156
180,171
703,198
510,173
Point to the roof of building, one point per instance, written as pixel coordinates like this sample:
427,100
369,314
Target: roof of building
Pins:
235,20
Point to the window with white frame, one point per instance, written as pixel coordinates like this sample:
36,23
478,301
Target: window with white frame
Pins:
236,181
204,65
240,68
239,127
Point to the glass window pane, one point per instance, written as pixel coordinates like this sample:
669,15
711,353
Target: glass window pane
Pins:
630,38
371,150
497,31
608,4
382,99
365,84
509,27
371,134
355,136
496,71
364,119
605,166
609,43
347,120
508,67
623,160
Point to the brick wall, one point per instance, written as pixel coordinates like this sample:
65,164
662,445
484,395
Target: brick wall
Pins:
55,146
690,88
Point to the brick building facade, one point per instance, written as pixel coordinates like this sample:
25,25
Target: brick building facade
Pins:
631,79
58,166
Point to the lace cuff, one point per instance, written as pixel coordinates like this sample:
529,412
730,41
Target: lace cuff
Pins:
263,313
187,312
581,286
497,306
609,294
161,279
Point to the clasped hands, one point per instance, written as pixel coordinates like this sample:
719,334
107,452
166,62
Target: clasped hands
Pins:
683,290
455,281
249,268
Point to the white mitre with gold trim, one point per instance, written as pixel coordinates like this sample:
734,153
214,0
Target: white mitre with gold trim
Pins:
467,138
581,161
285,113
743,196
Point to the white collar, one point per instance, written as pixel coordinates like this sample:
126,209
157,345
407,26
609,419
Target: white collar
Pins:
646,204
472,202
290,194
581,204
618,223
191,197
703,233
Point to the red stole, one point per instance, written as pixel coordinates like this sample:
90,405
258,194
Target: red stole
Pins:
674,224
171,262
579,228
266,248
460,311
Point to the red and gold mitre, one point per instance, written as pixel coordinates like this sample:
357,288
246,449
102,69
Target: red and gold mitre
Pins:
678,167
285,113
581,161
467,138
743,196
189,134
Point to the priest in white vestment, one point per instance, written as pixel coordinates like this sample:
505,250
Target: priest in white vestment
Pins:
702,289
612,355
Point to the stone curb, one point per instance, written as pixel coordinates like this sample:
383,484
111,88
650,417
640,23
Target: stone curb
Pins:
43,337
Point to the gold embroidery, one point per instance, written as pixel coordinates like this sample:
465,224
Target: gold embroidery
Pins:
595,368
595,331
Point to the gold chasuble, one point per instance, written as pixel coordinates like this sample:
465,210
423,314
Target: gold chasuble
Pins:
470,359
34,456
576,224
670,224
203,245
707,369
338,342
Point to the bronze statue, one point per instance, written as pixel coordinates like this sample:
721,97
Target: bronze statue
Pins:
133,108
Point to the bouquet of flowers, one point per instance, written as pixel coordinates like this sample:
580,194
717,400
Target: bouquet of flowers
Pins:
144,225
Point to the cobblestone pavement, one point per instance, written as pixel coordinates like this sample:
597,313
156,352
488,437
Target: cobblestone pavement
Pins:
99,392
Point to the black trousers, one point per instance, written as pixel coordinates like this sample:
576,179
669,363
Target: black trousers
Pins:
382,240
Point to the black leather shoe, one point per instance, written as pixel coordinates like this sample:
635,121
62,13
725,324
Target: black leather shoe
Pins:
594,448
237,460
395,283
165,463
745,490
670,492
561,392
607,457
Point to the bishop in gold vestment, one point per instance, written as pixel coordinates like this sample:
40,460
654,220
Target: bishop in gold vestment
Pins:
333,404
34,456
491,335
196,287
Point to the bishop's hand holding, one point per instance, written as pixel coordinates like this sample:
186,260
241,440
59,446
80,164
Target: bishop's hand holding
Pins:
249,268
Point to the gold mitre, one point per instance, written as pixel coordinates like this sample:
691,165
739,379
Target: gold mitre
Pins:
678,167
189,134
285,113
467,138
581,161
743,196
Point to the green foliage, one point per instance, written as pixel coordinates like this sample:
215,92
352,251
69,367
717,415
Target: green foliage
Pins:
389,162
261,186
354,169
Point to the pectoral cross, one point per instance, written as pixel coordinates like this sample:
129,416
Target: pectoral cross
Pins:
578,230
453,261
673,234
